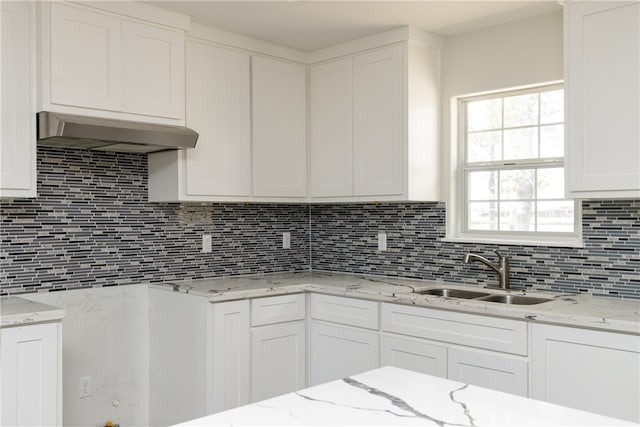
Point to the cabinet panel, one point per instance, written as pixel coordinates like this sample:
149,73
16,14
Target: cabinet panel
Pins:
230,354
279,132
331,129
602,42
458,328
338,352
278,360
348,311
378,133
30,364
218,107
590,370
85,55
414,355
153,71
18,139
490,370
283,308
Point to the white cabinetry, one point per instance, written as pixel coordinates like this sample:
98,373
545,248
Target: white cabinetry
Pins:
343,347
18,128
100,64
279,131
590,370
278,346
374,124
31,362
416,355
602,65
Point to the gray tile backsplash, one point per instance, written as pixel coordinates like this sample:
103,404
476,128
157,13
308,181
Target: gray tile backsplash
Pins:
91,226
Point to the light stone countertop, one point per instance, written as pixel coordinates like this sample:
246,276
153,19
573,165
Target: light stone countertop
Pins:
393,396
610,314
15,311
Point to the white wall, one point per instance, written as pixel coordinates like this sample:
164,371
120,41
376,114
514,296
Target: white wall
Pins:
505,56
105,336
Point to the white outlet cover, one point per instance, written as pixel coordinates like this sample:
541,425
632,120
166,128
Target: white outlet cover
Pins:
286,240
206,243
382,241
84,387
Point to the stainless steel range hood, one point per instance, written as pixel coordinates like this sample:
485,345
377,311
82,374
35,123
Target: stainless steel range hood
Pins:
67,130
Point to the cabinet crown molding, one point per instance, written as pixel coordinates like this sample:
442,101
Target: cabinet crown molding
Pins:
142,12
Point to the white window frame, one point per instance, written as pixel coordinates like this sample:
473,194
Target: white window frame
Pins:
456,203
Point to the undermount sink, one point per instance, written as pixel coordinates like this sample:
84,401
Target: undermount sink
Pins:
514,299
453,293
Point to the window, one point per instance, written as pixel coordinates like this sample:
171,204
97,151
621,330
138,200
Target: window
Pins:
511,169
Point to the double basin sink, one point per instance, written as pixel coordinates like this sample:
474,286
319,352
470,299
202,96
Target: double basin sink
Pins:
483,296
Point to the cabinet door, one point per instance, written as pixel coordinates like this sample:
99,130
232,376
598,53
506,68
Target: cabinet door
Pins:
491,370
278,359
18,139
589,370
218,107
378,114
279,131
415,355
85,58
230,354
331,129
339,351
153,70
602,42
30,368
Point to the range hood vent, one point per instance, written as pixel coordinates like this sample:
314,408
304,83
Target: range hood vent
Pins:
67,130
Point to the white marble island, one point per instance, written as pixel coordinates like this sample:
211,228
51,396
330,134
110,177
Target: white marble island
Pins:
393,396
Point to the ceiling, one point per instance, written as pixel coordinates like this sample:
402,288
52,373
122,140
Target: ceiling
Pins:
311,25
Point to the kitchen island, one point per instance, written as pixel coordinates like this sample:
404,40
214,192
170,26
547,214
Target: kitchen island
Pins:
393,396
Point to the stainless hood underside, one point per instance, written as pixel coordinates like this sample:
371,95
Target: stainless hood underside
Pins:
68,130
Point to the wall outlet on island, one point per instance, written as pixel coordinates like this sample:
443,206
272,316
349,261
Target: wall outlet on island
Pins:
84,387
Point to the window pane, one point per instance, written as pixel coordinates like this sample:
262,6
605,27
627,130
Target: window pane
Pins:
552,106
556,216
517,216
551,183
484,146
521,110
482,185
521,143
552,141
482,216
517,184
484,115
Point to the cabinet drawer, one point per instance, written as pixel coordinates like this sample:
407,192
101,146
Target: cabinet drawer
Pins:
348,311
467,329
283,308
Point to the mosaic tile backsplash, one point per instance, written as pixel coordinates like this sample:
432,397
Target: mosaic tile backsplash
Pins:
91,226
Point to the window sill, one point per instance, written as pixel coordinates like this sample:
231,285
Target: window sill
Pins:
563,242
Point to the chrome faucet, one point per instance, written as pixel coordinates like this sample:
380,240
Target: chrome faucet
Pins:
502,267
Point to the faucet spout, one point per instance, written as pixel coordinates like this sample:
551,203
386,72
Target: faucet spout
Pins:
501,268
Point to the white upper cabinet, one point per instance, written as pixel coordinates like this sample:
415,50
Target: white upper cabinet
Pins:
101,64
279,130
374,126
331,128
18,138
602,69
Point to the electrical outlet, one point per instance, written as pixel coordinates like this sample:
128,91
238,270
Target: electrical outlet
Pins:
84,387
206,243
286,240
382,241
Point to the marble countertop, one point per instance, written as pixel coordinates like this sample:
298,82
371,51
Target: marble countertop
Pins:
18,311
610,314
393,396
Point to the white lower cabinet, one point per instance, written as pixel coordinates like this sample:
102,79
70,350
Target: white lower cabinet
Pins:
278,359
591,370
488,369
341,351
412,354
31,364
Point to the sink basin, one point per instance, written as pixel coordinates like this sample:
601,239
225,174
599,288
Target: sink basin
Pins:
453,293
515,299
